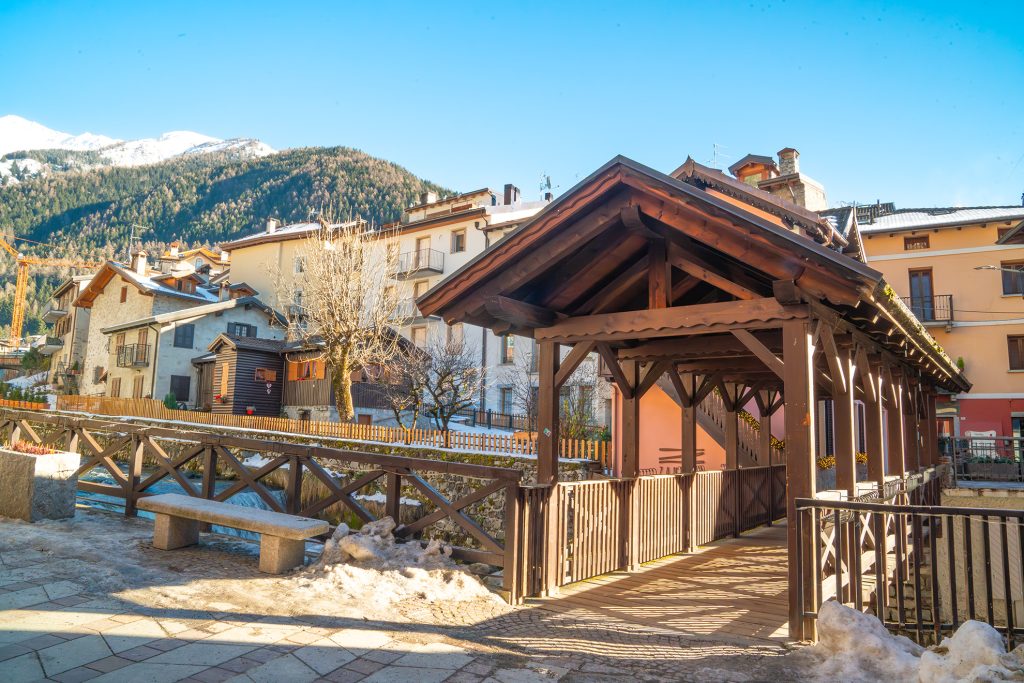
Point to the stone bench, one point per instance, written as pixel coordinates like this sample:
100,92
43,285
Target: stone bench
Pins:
282,537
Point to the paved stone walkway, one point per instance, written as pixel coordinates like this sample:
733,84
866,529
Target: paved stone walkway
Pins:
55,624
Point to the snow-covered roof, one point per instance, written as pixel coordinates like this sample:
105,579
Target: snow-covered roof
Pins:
150,283
913,219
283,233
196,312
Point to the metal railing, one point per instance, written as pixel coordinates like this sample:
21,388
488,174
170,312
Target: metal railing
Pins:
419,261
937,308
921,569
985,458
133,356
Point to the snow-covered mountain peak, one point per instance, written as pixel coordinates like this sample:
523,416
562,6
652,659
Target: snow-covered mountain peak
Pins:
18,134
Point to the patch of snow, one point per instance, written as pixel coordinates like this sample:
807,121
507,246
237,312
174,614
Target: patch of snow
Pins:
28,381
153,150
18,134
856,647
369,567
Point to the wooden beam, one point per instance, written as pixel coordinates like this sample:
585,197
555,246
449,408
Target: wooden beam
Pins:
659,276
754,345
630,461
633,222
695,266
702,347
763,313
569,364
619,377
786,292
519,313
654,372
617,289
547,414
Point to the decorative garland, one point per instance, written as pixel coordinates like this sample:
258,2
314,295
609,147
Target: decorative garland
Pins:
829,461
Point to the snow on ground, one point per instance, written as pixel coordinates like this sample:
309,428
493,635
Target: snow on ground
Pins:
400,583
28,381
855,647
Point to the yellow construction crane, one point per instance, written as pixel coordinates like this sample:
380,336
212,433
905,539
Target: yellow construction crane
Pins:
21,282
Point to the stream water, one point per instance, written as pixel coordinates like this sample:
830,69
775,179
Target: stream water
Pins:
244,498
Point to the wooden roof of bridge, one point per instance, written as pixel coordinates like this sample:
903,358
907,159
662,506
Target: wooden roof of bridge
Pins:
580,270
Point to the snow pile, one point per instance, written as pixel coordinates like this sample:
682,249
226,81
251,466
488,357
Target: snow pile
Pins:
854,646
27,382
370,567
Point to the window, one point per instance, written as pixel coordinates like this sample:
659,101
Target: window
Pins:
508,343
458,241
304,370
118,342
184,335
300,264
241,330
1013,282
915,243
115,387
137,387
506,401
922,294
419,336
186,286
143,337
124,294
420,288
180,386
1015,344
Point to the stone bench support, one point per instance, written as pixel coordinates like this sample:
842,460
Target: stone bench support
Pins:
282,537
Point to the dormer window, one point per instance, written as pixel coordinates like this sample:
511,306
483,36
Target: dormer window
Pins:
185,286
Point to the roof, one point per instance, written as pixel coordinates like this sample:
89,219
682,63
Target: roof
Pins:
284,233
147,284
197,312
752,159
69,283
182,255
452,198
247,343
585,247
916,219
785,210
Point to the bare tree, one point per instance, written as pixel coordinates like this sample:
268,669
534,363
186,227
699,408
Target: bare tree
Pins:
576,414
521,381
405,386
346,303
452,380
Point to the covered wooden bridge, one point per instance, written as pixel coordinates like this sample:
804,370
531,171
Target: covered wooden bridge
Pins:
718,287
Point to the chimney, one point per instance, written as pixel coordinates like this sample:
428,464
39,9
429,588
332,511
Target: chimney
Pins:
511,194
548,197
224,257
139,264
271,226
428,197
789,161
174,249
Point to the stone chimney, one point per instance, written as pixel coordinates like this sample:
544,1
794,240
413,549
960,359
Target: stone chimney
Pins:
139,263
271,226
428,197
789,161
511,194
174,249
225,257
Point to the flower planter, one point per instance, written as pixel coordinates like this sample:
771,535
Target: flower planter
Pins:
34,487
992,471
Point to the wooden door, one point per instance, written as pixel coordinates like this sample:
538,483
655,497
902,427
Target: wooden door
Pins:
922,294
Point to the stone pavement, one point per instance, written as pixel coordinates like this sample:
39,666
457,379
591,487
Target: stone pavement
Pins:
55,624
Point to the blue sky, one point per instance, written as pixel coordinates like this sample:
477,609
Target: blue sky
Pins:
918,103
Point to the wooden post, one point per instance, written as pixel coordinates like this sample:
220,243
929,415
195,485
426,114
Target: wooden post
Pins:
293,495
894,421
689,444
797,352
730,394
134,475
393,501
844,419
874,418
764,436
547,414
931,428
630,461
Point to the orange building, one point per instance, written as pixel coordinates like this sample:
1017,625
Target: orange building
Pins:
961,270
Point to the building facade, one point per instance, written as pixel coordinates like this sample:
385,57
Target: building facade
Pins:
69,333
966,285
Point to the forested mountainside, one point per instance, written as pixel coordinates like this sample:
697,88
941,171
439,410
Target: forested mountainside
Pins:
200,200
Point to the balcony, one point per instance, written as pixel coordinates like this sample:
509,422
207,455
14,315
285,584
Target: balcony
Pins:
405,312
52,314
931,310
133,356
48,345
423,261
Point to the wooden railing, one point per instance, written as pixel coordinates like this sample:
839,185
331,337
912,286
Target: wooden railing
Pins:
611,524
135,457
512,444
713,407
921,568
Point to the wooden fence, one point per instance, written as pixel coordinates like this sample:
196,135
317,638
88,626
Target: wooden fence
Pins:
514,444
610,524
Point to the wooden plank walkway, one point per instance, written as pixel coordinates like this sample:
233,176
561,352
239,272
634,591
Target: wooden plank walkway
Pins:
734,588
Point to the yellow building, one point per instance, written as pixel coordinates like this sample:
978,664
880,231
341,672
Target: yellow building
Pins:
951,269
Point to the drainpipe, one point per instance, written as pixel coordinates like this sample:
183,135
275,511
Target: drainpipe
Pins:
156,345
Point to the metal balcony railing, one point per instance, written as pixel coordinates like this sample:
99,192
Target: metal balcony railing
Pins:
405,312
133,356
937,308
421,261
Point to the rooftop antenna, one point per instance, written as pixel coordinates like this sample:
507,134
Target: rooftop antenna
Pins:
717,150
136,238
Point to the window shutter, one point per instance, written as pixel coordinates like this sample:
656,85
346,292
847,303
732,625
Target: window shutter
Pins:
224,369
293,371
319,369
